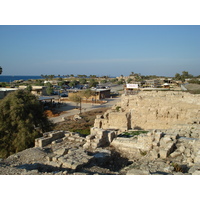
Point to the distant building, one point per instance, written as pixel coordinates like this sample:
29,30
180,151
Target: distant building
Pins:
5,91
102,93
36,90
152,83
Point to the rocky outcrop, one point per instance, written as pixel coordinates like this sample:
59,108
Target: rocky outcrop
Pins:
152,110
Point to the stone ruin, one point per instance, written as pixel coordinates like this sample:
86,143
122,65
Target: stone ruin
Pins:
152,110
99,138
68,150
156,151
54,137
171,146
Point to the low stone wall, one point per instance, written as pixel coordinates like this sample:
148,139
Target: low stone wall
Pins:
56,137
48,138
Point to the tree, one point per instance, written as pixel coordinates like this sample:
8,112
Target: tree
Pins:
177,76
132,74
73,83
129,80
93,83
93,76
87,93
1,70
82,81
77,99
114,80
49,89
104,81
61,83
21,121
29,88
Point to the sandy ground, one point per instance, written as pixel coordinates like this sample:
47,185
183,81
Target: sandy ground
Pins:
69,108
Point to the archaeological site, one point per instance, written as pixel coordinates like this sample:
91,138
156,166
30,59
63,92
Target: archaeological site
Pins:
146,133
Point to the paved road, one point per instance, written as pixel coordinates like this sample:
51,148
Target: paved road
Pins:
69,108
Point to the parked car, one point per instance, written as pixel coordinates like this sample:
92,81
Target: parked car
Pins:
64,95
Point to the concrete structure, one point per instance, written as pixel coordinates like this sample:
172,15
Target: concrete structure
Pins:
36,90
102,93
5,91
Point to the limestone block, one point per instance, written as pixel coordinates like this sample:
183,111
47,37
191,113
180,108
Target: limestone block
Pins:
111,136
56,135
155,144
175,154
67,134
194,168
163,153
187,152
67,164
59,140
197,159
154,154
181,149
190,161
49,158
138,172
55,158
196,173
99,117
61,151
70,138
53,142
168,169
164,141
195,135
54,164
86,145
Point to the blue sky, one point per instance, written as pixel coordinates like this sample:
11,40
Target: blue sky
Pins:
100,50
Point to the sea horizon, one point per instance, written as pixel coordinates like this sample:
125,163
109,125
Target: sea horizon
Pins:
10,78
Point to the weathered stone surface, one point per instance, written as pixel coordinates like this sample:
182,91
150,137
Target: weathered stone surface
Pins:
175,154
152,110
61,151
137,172
102,155
48,138
163,153
99,138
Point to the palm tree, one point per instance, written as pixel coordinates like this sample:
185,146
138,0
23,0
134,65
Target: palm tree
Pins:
0,70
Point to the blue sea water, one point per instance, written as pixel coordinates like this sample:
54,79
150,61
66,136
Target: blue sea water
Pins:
12,78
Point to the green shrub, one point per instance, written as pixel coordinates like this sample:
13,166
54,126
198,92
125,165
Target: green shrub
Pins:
21,120
83,132
143,153
117,108
177,167
131,133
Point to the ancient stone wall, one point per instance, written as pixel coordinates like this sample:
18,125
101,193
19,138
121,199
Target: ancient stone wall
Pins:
152,110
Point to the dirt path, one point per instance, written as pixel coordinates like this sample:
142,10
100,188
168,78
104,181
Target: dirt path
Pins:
69,108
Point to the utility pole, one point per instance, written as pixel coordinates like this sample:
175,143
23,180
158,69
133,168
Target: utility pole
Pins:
80,105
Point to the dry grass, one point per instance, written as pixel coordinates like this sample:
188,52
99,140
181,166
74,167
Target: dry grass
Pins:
193,88
82,125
